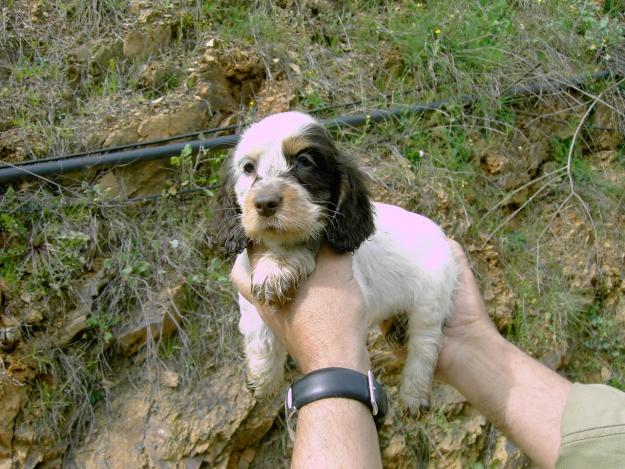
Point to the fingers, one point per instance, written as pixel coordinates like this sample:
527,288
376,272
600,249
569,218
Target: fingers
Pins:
332,265
241,275
466,277
459,254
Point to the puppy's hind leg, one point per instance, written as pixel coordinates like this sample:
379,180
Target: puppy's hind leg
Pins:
265,355
424,342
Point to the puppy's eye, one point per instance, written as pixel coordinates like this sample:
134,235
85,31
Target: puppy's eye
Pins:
249,167
305,160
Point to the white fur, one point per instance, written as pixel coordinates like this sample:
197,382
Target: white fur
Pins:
265,139
405,267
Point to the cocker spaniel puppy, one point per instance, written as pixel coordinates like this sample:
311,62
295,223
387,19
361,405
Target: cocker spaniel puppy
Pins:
288,187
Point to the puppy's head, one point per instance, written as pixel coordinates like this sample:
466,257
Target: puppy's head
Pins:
286,183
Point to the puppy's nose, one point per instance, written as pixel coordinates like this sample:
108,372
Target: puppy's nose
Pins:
266,204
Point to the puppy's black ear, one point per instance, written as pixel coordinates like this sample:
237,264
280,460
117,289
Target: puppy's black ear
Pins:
226,223
352,223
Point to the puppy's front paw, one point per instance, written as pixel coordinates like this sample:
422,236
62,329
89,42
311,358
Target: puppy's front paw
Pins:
274,289
276,282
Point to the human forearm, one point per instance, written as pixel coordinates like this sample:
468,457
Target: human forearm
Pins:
339,433
523,398
335,432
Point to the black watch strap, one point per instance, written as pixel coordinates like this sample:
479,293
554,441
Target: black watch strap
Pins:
338,382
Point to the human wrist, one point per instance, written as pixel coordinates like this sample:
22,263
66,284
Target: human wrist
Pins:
354,357
465,356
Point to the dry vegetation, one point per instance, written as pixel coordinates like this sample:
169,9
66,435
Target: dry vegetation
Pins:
111,286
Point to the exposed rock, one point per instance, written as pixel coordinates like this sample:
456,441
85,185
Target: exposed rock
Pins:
395,446
76,320
169,378
77,59
11,395
253,429
102,56
147,179
448,401
158,319
193,116
557,358
9,337
503,453
140,44
70,326
460,442
123,135
210,83
151,177
189,428
33,316
226,81
609,132
274,97
154,75
497,294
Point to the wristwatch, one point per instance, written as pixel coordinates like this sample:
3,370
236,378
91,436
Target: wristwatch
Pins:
337,382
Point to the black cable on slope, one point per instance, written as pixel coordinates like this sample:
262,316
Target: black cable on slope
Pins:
38,168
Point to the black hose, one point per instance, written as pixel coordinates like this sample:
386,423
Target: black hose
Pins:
35,169
59,165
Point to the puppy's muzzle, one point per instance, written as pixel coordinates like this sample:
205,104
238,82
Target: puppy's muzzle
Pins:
268,198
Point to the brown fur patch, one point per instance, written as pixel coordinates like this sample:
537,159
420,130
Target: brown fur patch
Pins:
291,146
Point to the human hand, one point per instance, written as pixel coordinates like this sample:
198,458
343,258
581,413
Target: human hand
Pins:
469,324
325,324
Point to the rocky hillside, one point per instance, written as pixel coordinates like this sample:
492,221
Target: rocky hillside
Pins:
118,338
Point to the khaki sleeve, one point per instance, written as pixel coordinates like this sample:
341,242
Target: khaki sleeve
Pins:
593,428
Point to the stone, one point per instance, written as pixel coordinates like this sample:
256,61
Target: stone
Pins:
557,358
247,456
503,453
158,319
395,446
169,428
274,97
11,395
102,56
122,136
151,177
76,321
461,441
168,378
258,422
9,337
70,326
154,75
33,316
193,116
134,44
140,44
447,400
609,132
